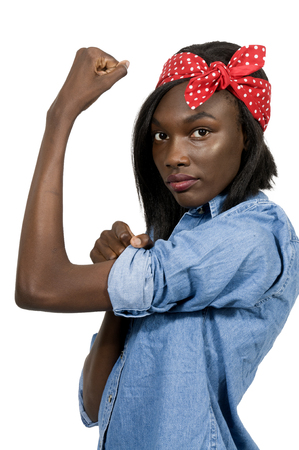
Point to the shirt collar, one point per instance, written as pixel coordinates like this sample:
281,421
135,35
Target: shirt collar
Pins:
214,205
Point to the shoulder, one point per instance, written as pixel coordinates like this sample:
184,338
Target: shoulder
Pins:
259,216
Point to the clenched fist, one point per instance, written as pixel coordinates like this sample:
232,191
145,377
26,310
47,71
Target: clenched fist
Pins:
93,72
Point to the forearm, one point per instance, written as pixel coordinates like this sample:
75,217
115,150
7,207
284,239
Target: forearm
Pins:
46,279
42,251
105,351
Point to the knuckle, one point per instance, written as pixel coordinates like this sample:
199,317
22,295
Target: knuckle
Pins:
81,50
119,225
104,234
93,51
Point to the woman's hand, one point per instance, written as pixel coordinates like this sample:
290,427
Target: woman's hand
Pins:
113,242
93,72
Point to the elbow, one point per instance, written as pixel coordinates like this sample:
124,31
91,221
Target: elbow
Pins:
28,297
34,294
40,288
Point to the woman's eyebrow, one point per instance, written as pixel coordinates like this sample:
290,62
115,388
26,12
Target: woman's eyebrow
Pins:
155,121
199,115
189,119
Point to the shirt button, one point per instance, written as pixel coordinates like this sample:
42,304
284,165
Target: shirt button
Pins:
110,398
201,210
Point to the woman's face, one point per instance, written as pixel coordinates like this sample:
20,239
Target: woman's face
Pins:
197,152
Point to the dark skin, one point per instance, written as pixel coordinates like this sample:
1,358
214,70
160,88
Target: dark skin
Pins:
46,279
205,144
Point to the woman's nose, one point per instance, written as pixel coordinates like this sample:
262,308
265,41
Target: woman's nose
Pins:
176,155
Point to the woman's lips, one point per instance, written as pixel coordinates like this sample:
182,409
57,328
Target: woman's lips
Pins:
181,182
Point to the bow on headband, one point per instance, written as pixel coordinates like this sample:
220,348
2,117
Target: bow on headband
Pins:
254,92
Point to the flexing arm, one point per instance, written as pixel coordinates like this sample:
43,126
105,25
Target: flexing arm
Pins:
46,279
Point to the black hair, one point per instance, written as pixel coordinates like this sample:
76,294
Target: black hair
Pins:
257,167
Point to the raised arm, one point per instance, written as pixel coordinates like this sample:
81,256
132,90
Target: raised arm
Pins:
46,279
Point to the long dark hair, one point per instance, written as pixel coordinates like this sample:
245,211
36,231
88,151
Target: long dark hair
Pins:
257,167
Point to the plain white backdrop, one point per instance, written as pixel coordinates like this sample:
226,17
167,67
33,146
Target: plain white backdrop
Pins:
41,353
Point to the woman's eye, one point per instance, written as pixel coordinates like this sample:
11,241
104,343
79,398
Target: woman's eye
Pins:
201,132
160,136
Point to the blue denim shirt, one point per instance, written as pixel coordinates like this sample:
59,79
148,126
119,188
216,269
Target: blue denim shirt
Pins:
207,306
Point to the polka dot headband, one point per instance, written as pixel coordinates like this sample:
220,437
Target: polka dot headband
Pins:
254,92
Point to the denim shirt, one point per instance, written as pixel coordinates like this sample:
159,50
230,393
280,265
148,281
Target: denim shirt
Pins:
206,307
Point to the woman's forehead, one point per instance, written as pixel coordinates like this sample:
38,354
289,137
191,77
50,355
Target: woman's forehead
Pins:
221,104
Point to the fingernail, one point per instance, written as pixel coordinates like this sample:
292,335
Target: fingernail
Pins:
136,241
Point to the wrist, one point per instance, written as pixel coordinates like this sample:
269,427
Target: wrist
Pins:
61,113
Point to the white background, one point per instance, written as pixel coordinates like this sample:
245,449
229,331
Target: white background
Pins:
41,353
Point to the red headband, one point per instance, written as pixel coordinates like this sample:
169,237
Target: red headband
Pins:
254,92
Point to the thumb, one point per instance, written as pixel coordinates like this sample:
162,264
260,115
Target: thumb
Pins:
114,74
142,241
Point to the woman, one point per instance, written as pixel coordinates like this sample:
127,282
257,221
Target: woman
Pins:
211,295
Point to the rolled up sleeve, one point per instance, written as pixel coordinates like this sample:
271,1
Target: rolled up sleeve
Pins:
221,264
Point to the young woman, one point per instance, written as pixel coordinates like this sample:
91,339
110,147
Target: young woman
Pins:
196,309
